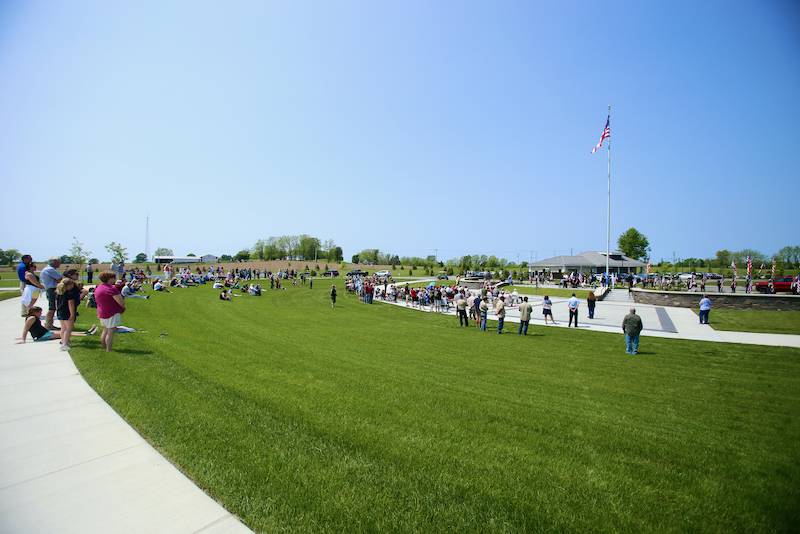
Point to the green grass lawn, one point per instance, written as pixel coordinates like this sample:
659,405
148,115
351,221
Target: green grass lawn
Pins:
297,417
10,282
769,321
5,295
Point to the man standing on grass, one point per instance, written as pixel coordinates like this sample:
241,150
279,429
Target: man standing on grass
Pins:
525,310
705,308
632,327
333,296
500,311
50,278
573,310
461,310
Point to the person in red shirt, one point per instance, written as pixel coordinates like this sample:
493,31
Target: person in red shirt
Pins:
110,307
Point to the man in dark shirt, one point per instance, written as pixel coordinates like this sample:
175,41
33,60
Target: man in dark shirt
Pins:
632,326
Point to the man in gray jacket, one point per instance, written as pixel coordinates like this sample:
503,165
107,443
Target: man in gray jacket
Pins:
525,310
632,326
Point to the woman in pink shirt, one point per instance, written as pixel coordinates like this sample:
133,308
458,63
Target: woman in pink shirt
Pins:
110,307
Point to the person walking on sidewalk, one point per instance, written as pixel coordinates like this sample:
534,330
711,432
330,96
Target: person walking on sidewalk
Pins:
572,303
525,310
632,327
591,301
705,308
500,311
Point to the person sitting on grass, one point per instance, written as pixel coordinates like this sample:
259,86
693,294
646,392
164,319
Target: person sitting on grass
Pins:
225,295
255,290
128,291
34,327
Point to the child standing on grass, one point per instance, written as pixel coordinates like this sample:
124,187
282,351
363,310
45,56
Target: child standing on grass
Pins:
68,298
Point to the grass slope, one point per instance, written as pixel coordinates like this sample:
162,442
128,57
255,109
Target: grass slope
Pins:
5,295
300,418
769,321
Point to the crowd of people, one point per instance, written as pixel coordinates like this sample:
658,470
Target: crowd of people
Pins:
65,292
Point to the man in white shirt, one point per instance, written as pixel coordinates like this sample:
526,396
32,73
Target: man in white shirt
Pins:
573,310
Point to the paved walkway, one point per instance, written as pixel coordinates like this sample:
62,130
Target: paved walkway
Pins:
659,321
69,463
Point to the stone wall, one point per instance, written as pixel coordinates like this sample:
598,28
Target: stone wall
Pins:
735,301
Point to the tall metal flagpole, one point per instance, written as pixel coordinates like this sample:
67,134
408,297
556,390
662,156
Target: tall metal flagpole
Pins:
608,228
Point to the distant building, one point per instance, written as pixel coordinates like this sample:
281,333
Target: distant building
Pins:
588,263
175,259
209,258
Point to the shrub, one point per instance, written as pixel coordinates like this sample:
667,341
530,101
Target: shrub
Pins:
410,272
316,267
313,273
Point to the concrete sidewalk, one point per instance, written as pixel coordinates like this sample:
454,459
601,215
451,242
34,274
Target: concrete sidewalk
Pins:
69,463
659,321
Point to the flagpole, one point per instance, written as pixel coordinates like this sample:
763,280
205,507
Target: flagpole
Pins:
608,227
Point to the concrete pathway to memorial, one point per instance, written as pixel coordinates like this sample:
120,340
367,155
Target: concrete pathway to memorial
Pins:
659,321
70,463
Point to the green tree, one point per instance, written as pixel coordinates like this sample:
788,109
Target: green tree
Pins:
78,252
242,255
191,255
226,257
355,258
9,256
789,254
335,254
723,257
163,251
633,244
140,258
118,252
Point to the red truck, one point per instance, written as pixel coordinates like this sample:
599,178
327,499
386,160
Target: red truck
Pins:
783,284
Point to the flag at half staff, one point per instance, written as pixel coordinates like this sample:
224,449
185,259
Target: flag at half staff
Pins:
603,136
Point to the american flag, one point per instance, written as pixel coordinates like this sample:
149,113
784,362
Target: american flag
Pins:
772,274
603,136
733,268
749,266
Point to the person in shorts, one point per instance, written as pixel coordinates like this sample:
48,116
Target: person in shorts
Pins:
110,307
50,277
547,309
34,327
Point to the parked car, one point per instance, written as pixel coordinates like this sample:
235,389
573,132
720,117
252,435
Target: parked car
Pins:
713,276
331,272
383,274
357,272
782,284
442,276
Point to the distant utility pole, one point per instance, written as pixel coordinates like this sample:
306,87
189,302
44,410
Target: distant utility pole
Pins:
147,237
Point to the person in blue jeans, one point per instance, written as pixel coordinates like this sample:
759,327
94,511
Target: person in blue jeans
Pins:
632,327
705,308
484,312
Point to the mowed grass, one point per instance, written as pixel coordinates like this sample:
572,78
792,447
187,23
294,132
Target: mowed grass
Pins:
377,418
769,321
4,295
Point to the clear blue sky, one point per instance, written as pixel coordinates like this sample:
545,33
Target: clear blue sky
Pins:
405,126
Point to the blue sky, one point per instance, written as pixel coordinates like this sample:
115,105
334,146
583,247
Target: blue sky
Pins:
407,126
